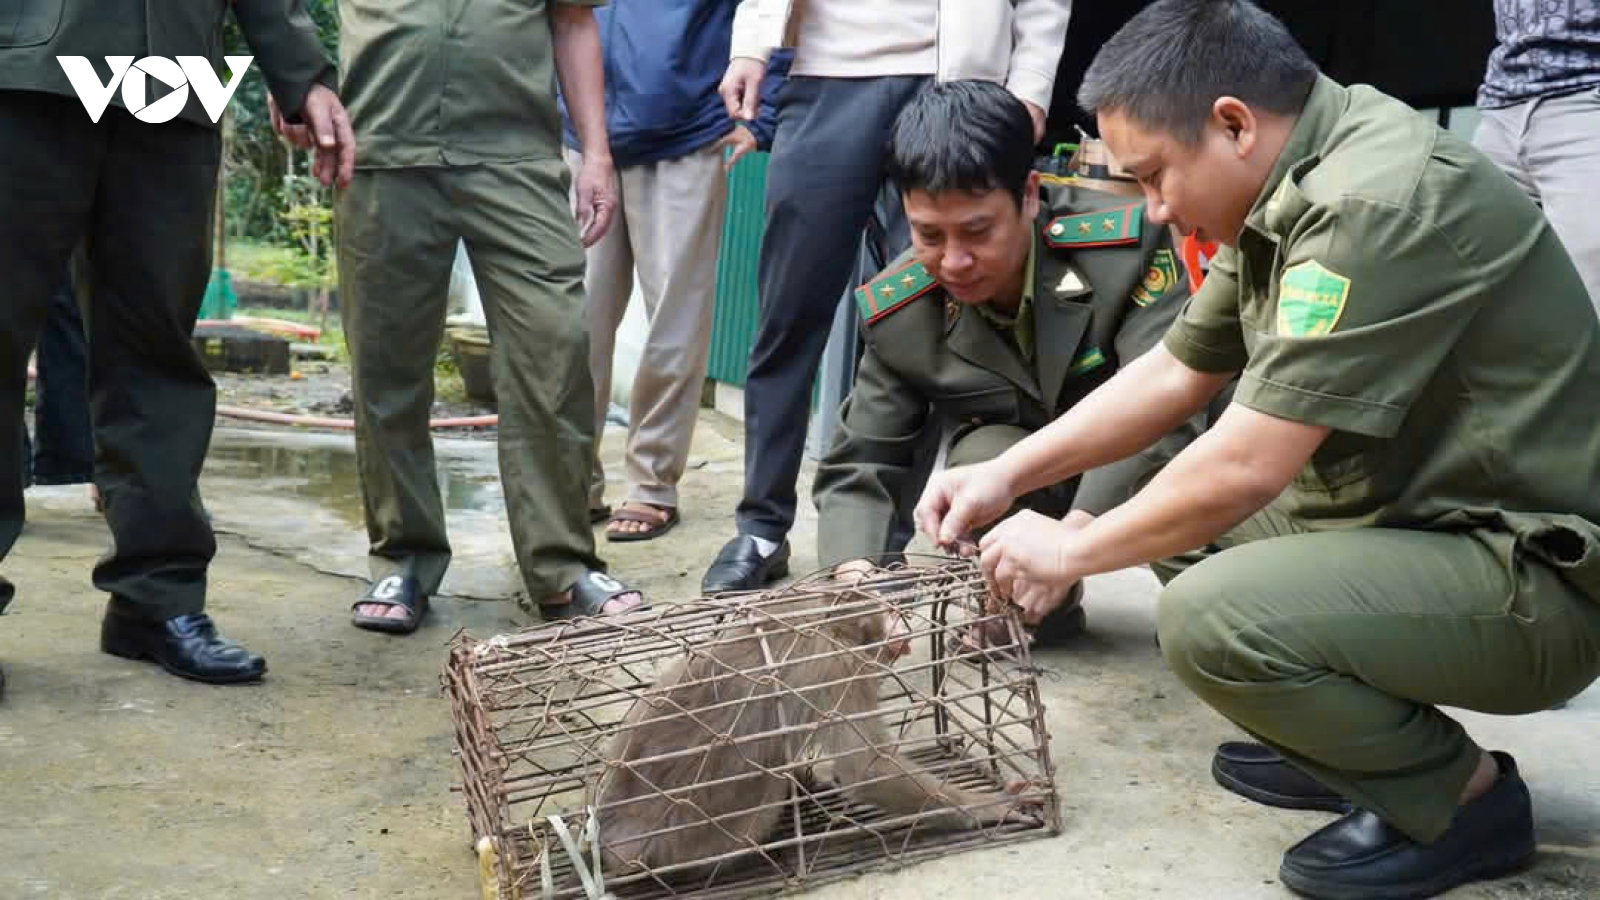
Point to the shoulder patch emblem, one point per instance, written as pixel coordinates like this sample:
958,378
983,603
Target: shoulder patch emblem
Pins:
1107,228
1311,299
1162,276
893,290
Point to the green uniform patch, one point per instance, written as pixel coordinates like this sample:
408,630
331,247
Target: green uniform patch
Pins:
1088,360
1162,276
1310,300
892,290
1106,228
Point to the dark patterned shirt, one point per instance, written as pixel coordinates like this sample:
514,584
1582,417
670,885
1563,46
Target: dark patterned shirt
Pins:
1545,47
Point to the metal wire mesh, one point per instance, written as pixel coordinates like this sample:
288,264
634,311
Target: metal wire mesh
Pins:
724,748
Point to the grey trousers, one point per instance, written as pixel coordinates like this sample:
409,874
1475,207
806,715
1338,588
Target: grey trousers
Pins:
1551,147
668,230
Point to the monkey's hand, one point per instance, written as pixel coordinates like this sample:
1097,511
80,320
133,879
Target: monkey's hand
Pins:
852,571
1027,810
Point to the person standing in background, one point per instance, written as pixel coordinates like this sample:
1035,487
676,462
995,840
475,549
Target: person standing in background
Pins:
140,196
454,106
671,141
1540,101
61,449
856,65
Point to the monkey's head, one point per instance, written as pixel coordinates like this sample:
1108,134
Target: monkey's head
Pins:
885,630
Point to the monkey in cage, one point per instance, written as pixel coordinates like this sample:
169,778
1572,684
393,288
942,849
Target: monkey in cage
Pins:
701,765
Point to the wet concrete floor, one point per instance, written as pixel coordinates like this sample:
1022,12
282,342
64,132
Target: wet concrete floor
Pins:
333,778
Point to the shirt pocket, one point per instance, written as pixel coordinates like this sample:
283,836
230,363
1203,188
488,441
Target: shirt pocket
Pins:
35,22
973,409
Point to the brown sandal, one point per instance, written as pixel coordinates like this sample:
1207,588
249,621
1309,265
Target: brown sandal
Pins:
657,528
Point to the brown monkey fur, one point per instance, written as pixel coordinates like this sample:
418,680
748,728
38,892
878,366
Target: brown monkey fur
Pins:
747,810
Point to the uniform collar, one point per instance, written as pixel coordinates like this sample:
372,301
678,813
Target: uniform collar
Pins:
1323,109
1020,326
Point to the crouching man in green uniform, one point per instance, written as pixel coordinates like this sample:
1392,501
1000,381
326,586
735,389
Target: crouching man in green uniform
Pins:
1398,505
1012,305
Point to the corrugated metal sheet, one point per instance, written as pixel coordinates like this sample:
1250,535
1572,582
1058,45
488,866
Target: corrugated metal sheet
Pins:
734,320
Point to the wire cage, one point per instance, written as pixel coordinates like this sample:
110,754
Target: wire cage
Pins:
752,743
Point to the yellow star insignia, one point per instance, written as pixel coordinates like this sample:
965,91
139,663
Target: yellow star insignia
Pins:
887,290
1108,224
908,280
1083,227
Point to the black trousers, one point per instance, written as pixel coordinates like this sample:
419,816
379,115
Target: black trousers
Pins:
824,175
140,196
62,448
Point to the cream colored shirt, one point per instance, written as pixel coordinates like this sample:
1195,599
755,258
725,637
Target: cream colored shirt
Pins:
864,38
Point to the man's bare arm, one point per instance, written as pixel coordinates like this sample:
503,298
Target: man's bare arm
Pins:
1237,467
580,70
1229,473
1137,407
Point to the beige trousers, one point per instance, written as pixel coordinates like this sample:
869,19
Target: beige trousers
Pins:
668,229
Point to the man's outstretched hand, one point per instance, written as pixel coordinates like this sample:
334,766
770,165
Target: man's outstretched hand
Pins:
958,501
324,128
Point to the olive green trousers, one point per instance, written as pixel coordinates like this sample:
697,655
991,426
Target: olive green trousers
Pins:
1338,648
398,230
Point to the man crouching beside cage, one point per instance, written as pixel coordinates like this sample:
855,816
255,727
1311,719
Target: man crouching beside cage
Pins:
1014,302
1399,501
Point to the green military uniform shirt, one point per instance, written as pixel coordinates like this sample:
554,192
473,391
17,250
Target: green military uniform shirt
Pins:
1019,326
1105,287
282,38
1449,345
450,82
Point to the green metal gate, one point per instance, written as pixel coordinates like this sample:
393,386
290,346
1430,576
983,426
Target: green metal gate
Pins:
734,320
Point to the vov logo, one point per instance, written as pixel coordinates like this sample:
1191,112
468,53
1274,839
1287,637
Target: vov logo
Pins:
187,72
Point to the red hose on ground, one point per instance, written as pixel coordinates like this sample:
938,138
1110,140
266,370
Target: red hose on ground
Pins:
275,418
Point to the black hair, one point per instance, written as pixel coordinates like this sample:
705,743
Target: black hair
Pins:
1166,67
962,136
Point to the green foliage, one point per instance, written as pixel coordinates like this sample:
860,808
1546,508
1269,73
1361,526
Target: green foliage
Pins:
263,190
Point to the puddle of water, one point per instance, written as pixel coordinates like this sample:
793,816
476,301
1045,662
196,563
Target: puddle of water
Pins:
299,494
322,468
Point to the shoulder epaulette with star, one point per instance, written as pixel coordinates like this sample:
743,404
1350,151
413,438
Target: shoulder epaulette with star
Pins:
893,290
1117,227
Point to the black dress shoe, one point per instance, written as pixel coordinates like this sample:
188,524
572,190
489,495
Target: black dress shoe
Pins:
739,566
1360,857
187,646
1258,773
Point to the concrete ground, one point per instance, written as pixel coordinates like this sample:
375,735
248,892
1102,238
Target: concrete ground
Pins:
333,778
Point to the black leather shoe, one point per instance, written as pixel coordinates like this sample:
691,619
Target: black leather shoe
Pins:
1360,857
1256,772
739,566
187,646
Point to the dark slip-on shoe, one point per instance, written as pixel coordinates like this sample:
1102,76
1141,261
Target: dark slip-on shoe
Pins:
1362,857
1256,772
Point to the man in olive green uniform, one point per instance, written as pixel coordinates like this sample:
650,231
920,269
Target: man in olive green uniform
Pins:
1085,285
460,139
1412,441
138,194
